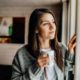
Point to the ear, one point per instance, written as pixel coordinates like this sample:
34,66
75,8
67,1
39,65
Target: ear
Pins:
37,31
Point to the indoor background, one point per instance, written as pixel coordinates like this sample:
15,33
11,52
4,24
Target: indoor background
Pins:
68,21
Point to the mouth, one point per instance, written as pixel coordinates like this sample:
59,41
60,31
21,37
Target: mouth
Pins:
51,32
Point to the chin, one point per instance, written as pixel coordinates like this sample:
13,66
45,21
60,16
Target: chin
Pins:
52,37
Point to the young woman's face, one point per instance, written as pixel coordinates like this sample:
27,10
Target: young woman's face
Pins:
47,27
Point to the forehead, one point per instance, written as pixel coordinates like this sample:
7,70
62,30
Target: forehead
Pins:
47,17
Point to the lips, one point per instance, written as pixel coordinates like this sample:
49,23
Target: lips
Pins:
51,32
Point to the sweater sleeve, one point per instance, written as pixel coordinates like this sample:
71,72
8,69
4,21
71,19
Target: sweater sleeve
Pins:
17,73
69,61
22,69
69,57
35,72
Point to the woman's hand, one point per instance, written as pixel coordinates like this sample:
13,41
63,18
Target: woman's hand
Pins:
43,60
72,44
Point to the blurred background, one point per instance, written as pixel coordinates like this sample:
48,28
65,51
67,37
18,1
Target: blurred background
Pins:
14,17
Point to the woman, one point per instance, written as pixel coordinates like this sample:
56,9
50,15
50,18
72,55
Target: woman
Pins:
30,63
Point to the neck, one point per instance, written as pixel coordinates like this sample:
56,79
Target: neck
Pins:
44,43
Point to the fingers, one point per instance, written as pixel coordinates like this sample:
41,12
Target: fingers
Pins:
43,60
73,39
72,44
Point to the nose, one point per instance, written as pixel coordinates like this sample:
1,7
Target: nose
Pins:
52,26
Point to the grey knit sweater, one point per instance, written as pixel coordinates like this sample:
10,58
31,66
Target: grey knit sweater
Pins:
24,66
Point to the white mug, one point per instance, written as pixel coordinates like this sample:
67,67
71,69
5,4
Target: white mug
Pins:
50,53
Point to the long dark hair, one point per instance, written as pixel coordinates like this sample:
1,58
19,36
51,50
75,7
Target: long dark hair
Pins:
33,42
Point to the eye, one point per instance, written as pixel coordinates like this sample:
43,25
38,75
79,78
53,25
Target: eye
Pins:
45,24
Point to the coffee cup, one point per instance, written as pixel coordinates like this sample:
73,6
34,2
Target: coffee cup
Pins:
50,54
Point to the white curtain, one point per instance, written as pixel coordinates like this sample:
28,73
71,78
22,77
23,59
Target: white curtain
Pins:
68,20
77,66
71,25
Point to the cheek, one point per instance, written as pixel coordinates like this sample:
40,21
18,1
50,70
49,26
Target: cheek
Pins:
54,27
54,30
55,33
43,32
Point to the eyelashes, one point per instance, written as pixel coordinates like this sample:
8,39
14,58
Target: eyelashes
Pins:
47,23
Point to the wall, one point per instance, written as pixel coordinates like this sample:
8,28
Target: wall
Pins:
7,52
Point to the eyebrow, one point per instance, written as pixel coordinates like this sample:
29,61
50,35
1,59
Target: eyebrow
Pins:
45,21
